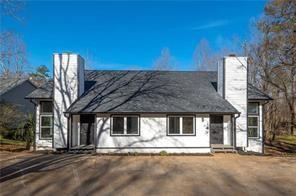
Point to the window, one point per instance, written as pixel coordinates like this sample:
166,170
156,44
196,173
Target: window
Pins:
46,107
46,119
181,125
45,126
253,119
174,125
253,126
253,108
125,125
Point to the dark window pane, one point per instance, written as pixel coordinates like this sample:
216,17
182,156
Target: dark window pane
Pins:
46,107
45,132
118,125
188,125
46,121
174,125
132,125
253,121
253,108
252,132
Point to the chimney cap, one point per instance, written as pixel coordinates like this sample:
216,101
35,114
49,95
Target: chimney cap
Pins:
232,55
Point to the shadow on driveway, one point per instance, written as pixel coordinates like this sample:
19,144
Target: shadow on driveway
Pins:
35,164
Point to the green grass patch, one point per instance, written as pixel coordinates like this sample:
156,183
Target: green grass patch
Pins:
289,139
4,141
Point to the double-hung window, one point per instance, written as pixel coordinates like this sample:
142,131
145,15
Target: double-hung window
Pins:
181,125
46,119
125,125
253,119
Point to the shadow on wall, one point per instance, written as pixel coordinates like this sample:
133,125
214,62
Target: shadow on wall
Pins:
139,141
65,87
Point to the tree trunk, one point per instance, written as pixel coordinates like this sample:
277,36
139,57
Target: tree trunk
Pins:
273,136
292,123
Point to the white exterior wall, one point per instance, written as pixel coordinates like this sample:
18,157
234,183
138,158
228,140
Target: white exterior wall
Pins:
67,79
235,91
75,139
256,144
153,137
227,133
41,144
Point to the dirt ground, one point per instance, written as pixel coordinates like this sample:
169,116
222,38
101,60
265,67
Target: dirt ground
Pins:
222,174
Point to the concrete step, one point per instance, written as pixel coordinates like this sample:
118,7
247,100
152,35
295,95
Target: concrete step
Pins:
225,150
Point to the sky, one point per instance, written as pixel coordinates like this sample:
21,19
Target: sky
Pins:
131,34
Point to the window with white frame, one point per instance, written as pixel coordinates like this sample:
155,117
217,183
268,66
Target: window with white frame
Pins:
45,126
253,119
46,107
125,125
46,119
181,125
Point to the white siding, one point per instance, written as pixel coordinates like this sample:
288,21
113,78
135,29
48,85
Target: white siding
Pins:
236,93
66,87
227,133
153,137
256,144
75,130
41,144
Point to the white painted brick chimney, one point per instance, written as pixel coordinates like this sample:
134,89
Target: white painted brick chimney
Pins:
68,86
232,86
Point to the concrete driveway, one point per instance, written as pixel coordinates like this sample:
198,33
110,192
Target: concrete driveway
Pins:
221,174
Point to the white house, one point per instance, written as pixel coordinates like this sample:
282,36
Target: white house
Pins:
149,111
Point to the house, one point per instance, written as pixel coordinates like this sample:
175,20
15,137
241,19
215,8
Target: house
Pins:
149,111
14,90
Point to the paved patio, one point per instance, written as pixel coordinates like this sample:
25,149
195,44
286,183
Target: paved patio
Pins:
221,174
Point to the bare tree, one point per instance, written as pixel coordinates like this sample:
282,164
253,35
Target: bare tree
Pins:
12,55
273,61
206,59
165,61
12,48
12,8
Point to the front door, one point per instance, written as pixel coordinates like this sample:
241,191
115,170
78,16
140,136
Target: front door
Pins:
87,122
216,129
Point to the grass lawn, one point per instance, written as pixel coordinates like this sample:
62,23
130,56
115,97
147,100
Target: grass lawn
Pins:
289,139
282,145
12,145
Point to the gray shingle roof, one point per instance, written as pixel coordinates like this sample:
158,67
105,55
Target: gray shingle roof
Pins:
43,92
8,83
255,94
151,91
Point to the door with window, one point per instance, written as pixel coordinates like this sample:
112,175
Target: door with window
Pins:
87,122
216,129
